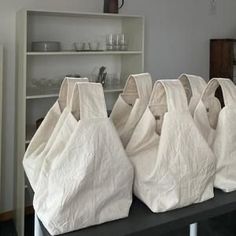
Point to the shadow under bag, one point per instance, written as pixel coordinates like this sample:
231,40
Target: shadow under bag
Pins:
174,166
89,181
131,104
217,124
194,87
43,138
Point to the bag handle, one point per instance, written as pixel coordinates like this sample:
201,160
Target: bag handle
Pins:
193,85
137,86
66,90
228,90
169,93
88,101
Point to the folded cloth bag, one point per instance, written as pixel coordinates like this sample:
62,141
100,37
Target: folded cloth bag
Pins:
131,104
41,142
218,125
173,165
194,86
89,179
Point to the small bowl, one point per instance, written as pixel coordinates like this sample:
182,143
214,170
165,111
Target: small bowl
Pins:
79,46
46,46
94,46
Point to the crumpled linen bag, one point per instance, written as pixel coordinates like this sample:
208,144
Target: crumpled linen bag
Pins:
89,180
218,126
194,86
41,141
131,104
174,166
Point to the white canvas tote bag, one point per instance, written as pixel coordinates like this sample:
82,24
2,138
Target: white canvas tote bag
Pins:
131,104
194,86
218,126
87,178
174,166
40,143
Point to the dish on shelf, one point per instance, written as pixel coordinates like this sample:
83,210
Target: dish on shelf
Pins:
87,46
46,46
44,83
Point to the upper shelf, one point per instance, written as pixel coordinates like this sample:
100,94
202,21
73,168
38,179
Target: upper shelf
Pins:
67,53
79,14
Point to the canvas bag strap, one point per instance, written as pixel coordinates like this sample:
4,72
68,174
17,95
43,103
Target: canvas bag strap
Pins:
170,93
228,90
88,101
175,95
197,83
66,90
139,86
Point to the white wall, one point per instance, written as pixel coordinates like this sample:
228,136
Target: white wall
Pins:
177,40
178,33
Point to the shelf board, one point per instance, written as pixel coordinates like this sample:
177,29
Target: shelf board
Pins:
41,96
79,14
68,53
35,95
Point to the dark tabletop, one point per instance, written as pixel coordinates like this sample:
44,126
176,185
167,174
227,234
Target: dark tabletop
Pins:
142,221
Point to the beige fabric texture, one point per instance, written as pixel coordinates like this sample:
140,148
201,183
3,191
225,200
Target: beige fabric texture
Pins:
218,126
86,178
174,166
194,86
131,104
43,138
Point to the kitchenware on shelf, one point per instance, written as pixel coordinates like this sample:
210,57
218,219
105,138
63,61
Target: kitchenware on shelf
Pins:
46,46
109,42
123,44
79,46
116,46
112,80
116,42
112,6
101,75
94,46
73,76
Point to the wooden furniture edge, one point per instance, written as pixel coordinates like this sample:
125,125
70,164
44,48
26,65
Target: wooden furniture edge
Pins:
5,216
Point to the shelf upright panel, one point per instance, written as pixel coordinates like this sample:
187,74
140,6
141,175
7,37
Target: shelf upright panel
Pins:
21,47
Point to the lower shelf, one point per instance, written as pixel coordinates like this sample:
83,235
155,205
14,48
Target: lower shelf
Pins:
54,93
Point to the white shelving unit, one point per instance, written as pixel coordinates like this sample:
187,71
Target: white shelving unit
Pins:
67,28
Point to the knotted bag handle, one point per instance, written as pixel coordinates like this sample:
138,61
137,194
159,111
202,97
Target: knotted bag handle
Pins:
88,101
228,90
170,93
66,90
193,85
137,86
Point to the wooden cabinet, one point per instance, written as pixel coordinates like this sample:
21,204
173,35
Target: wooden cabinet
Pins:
67,28
222,58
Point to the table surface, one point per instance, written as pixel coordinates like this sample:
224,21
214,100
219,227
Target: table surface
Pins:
142,221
